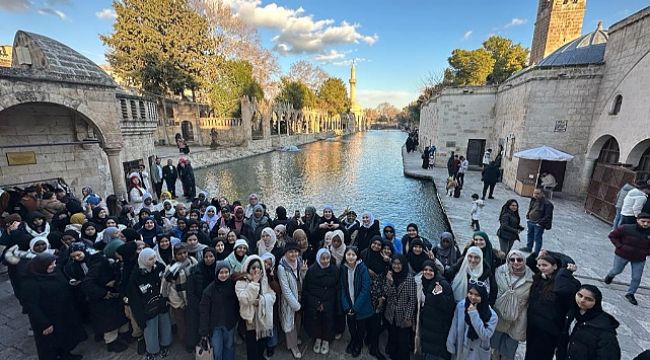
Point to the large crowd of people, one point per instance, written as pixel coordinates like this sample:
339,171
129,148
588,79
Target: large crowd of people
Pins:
224,272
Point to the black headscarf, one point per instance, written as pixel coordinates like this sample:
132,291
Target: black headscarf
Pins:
208,271
130,234
218,283
399,277
426,282
594,311
373,259
85,226
483,309
39,264
417,261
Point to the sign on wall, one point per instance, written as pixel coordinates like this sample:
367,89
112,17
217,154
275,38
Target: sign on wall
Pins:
560,126
21,158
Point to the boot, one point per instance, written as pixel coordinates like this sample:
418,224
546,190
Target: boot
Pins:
348,349
116,346
142,346
376,353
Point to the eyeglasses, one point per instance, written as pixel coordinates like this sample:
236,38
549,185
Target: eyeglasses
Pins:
479,283
513,259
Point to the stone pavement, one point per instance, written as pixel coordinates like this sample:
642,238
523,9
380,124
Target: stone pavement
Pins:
574,232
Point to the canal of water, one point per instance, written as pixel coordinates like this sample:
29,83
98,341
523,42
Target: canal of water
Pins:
362,171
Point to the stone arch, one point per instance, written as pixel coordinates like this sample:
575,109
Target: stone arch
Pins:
597,146
638,151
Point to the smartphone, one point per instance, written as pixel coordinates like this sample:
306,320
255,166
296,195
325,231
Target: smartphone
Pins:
296,214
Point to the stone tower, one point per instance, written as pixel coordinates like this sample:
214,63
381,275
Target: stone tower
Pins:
558,22
353,86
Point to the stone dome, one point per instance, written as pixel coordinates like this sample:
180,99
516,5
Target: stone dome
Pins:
586,50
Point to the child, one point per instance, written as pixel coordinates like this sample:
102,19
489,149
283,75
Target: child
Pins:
451,186
477,205
432,160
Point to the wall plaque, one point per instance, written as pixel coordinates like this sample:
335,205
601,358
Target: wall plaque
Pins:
560,125
21,158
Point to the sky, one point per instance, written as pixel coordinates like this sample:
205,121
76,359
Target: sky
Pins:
396,44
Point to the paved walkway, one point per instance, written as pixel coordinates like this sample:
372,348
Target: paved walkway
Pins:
575,233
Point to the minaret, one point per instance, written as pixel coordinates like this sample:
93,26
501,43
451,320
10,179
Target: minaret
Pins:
353,86
558,22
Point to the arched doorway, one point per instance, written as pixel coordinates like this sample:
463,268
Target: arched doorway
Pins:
639,158
610,152
187,130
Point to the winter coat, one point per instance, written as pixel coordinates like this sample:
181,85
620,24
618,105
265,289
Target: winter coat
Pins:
361,306
291,285
515,329
106,314
459,345
547,311
50,207
490,174
401,302
435,315
633,202
219,307
631,241
174,283
510,226
48,302
620,197
319,289
365,234
546,208
194,287
144,295
594,339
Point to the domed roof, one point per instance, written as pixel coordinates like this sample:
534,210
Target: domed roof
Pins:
585,50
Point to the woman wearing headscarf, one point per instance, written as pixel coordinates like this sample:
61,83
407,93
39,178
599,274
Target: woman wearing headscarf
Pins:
269,243
471,268
201,276
218,313
510,225
447,251
186,175
99,215
149,231
417,256
378,264
281,235
37,225
350,224
401,292
291,273
310,222
274,284
136,192
514,280
101,287
253,201
337,247
238,256
88,233
368,229
193,246
551,297
307,252
165,248
328,222
491,256
354,289
148,306
473,325
50,307
390,234
210,217
412,233
257,222
320,301
435,312
256,300
590,332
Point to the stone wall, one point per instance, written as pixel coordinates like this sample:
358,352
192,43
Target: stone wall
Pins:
454,116
550,107
627,74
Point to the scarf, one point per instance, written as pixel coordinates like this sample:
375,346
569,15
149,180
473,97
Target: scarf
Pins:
521,272
264,246
416,261
370,217
483,309
255,221
399,277
210,220
373,259
319,254
459,284
234,263
35,233
239,222
449,255
196,248
293,265
171,212
338,253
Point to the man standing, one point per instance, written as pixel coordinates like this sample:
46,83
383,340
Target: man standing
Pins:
157,177
487,157
634,202
490,178
170,175
632,242
144,177
540,218
460,175
450,164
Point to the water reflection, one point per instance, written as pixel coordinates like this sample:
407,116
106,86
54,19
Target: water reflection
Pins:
361,171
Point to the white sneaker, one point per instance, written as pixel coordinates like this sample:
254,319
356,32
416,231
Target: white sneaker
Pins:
317,347
338,336
299,341
296,353
325,347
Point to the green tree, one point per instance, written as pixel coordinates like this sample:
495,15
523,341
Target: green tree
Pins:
469,67
235,80
508,57
296,93
333,96
160,45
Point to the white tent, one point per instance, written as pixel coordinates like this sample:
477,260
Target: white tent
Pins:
543,153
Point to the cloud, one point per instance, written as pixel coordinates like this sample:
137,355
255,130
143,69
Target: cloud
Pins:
329,56
467,34
15,5
298,32
49,11
348,62
106,13
515,22
372,98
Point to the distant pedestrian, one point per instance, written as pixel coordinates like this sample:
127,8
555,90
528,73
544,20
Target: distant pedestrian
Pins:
539,218
475,213
487,157
170,175
157,177
460,174
632,242
620,197
450,164
633,203
186,174
490,176
432,160
510,225
425,158
181,144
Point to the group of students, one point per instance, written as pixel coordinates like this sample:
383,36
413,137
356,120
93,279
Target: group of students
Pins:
223,271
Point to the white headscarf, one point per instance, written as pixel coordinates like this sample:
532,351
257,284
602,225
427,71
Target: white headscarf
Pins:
459,284
264,247
371,219
145,255
210,220
338,253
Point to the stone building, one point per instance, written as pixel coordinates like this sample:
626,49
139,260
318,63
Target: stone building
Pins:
62,117
585,98
558,22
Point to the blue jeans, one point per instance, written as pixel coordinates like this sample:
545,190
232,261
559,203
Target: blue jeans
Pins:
272,341
535,233
637,272
158,332
223,343
617,219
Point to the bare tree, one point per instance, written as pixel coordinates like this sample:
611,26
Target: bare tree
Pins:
307,73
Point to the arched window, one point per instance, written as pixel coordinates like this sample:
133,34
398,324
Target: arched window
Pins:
610,152
616,106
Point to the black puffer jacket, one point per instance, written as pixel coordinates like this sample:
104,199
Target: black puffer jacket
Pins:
436,316
319,288
106,314
219,307
594,339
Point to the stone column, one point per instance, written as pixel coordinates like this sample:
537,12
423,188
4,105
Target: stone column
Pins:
587,171
115,165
